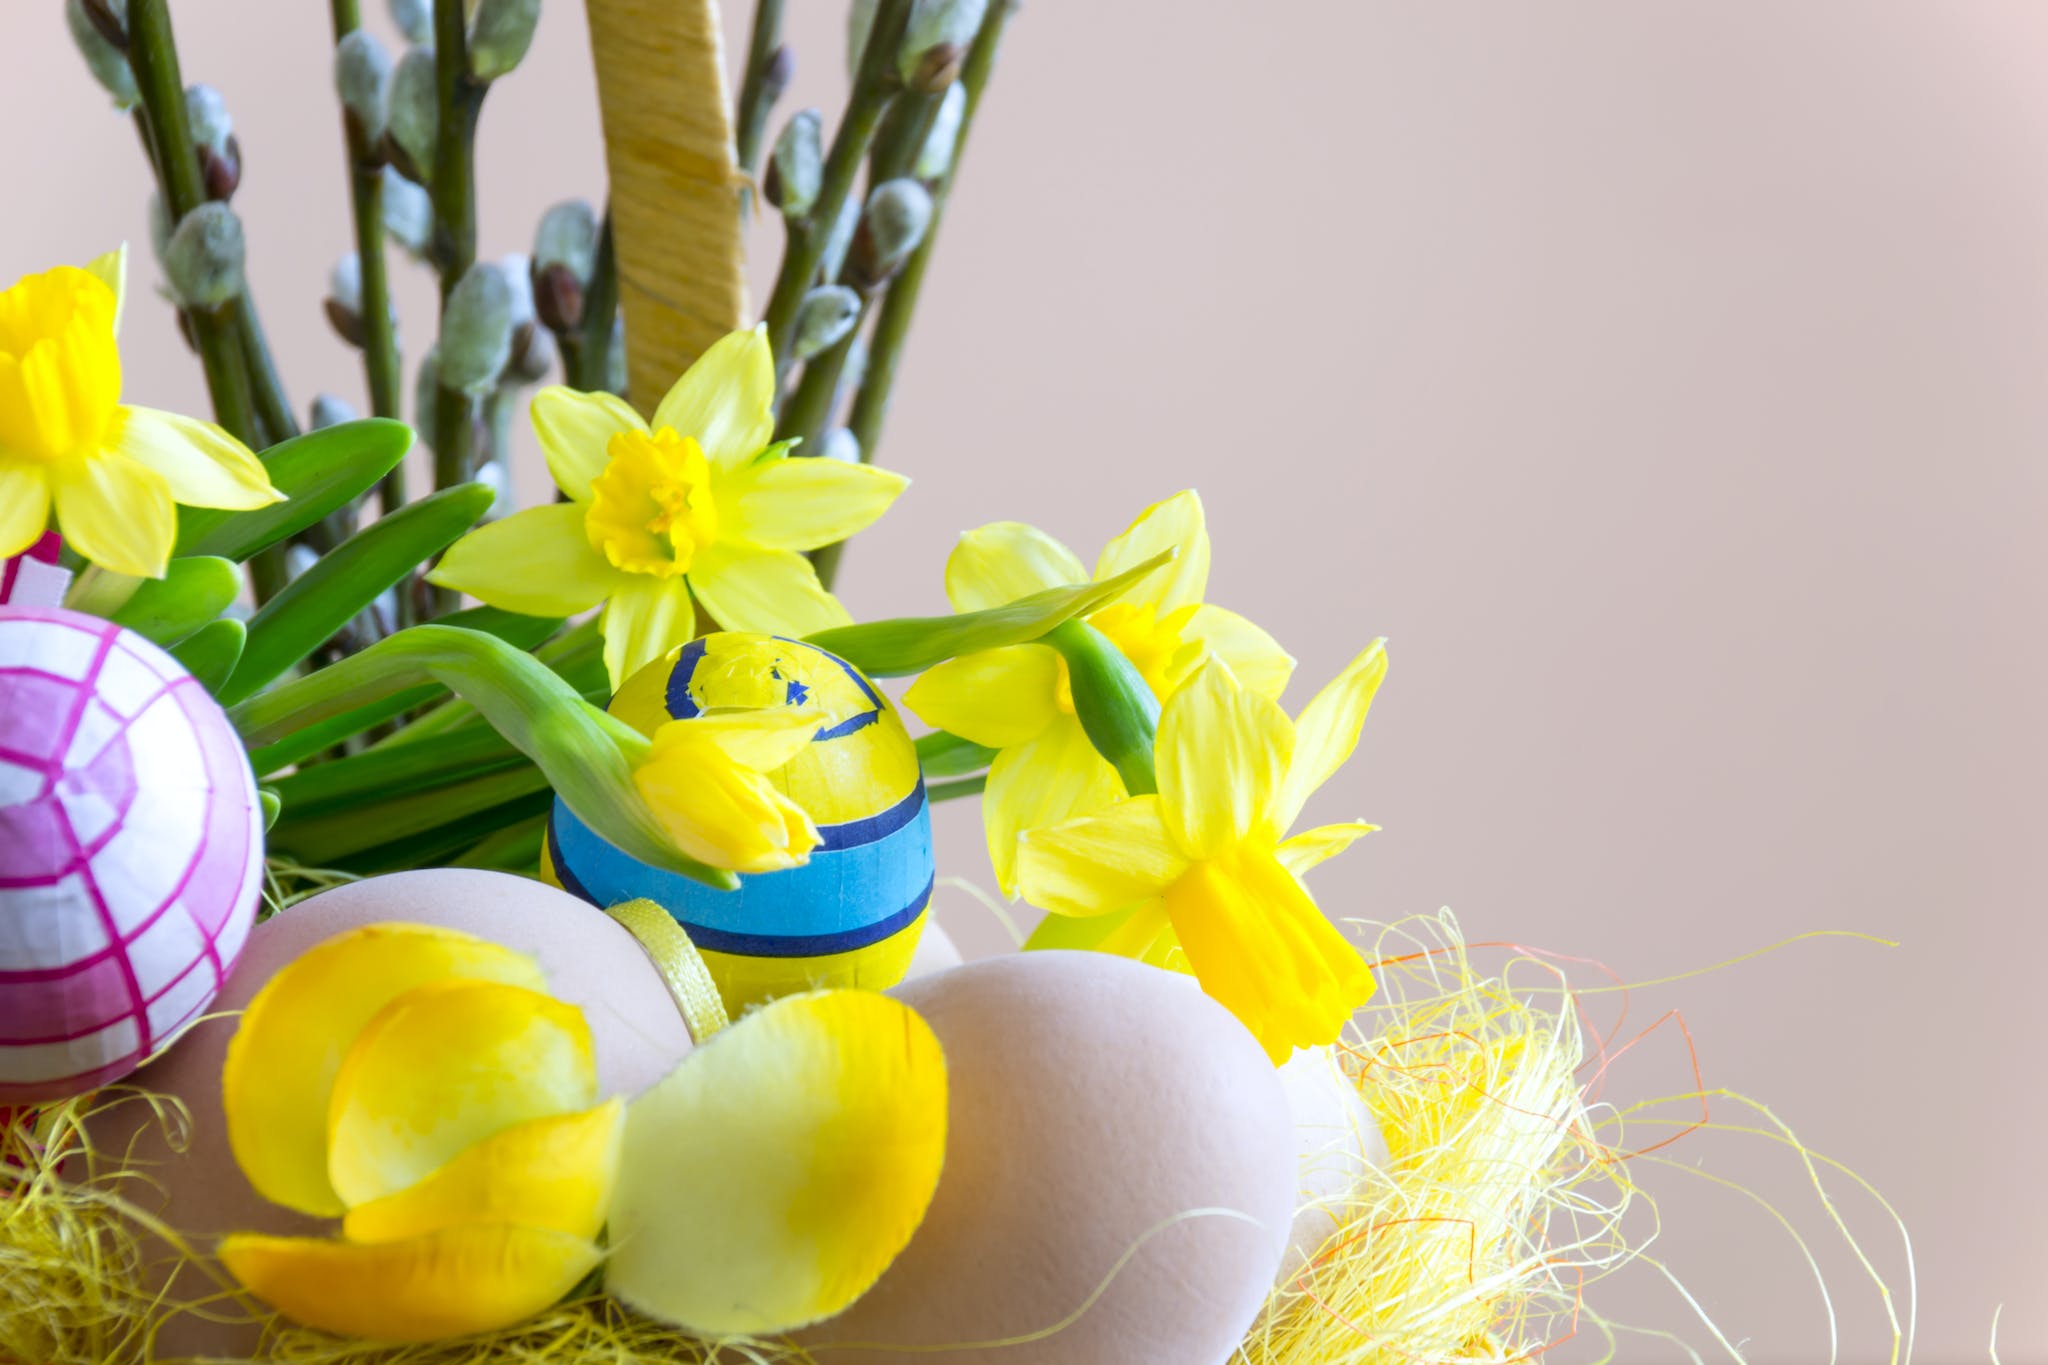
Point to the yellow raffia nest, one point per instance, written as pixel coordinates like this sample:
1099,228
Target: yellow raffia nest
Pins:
1503,1200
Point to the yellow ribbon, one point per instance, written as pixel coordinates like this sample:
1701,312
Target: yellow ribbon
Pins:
668,946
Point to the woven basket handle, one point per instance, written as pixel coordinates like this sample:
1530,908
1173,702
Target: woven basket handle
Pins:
675,183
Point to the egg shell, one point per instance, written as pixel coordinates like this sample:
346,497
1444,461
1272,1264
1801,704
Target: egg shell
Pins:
36,577
589,960
131,851
1093,1101
1337,1144
849,916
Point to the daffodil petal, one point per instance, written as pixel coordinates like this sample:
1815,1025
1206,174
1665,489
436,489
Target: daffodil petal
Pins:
537,561
24,507
111,269
772,1177
1327,731
719,808
996,564
1262,949
1255,658
1045,781
282,1061
776,592
202,464
443,1067
449,1283
997,697
1172,523
800,504
646,617
574,428
1222,752
726,399
554,1172
1313,846
117,512
763,738
1100,862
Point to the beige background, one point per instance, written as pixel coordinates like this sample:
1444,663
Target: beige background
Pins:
1664,378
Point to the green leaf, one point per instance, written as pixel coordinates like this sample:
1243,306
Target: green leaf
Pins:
953,791
323,840
317,739
440,847
1115,704
947,755
210,652
191,593
375,774
585,754
911,644
318,472
348,578
271,803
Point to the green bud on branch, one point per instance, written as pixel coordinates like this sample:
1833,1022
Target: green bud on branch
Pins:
203,261
213,138
500,32
824,318
408,213
796,168
106,55
329,411
935,42
899,212
567,237
362,80
476,330
414,18
414,115
935,158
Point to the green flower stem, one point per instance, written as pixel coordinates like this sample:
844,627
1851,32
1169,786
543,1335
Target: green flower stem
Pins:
755,97
874,87
588,352
443,845
321,840
586,755
808,410
372,776
153,54
892,321
454,196
266,385
948,755
380,339
953,791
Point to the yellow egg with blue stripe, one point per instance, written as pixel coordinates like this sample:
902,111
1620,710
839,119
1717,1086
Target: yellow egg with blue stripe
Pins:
852,915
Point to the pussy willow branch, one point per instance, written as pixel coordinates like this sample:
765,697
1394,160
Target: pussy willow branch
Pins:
875,85
591,356
153,55
892,323
380,340
454,196
756,98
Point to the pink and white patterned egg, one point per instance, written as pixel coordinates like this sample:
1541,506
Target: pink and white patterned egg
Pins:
131,851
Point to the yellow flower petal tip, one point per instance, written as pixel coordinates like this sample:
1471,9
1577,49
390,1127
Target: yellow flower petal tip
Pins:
444,1067
281,1065
773,1176
548,1173
449,1283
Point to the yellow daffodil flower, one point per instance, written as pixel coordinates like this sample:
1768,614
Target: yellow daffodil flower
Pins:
420,1084
114,472
695,504
772,1177
1017,699
706,779
1207,862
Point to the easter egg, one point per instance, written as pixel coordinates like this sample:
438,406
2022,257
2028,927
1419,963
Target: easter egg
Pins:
851,915
588,959
1108,1130
1337,1146
35,577
131,851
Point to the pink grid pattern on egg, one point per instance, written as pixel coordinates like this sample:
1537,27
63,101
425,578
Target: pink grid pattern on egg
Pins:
130,852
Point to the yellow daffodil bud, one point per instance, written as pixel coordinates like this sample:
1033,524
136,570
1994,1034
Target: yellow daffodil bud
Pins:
362,80
796,166
824,318
104,51
203,261
414,113
500,31
706,780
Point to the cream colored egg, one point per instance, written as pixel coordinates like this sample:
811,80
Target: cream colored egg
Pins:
936,951
589,960
1101,1116
1337,1144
